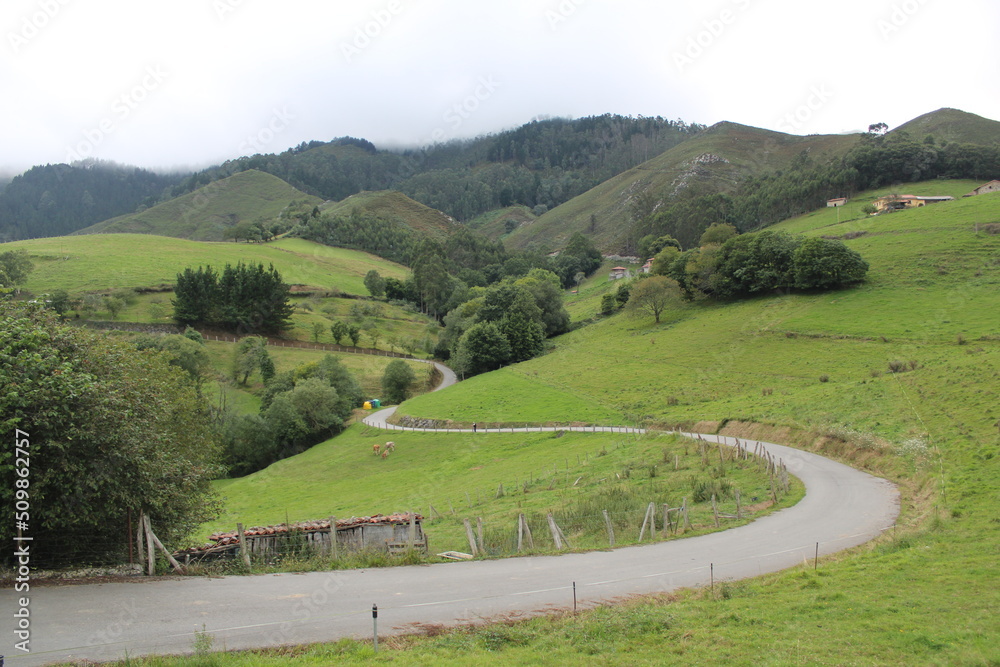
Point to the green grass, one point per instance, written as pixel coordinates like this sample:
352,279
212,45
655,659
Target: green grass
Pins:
924,594
574,475
207,214
98,262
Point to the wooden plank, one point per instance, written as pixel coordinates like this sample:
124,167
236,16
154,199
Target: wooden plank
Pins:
173,562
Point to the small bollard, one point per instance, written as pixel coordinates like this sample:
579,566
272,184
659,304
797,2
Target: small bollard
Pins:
375,625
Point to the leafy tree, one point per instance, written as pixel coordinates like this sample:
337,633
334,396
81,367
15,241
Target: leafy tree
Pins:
248,356
717,234
317,331
374,283
242,298
396,381
114,432
653,295
820,263
182,352
608,304
482,348
14,267
339,330
59,301
114,306
525,335
544,287
755,263
375,335
354,333
195,296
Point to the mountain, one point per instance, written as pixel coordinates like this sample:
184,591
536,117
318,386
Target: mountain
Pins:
211,212
952,125
397,208
716,160
57,199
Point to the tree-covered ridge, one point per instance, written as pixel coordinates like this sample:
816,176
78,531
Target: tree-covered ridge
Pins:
770,197
543,163
58,199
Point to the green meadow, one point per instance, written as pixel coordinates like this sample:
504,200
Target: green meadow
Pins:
103,262
898,376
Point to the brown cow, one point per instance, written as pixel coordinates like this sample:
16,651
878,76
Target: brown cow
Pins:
375,448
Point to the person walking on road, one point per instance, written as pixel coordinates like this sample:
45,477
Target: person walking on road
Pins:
473,427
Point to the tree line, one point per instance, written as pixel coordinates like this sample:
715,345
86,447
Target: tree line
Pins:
244,297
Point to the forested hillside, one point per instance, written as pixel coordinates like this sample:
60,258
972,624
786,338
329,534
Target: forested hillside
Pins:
541,164
58,199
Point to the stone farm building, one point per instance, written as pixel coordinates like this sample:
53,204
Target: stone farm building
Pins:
992,186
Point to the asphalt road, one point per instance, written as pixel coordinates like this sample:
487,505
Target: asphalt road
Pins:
842,508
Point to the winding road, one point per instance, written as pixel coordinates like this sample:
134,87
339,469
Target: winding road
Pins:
842,508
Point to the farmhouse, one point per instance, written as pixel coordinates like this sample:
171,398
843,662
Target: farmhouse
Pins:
648,266
898,202
992,186
837,201
618,273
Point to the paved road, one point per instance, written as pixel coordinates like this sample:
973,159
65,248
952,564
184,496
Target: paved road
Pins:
843,507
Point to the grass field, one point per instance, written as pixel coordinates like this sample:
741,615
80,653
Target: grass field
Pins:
99,262
207,214
572,474
811,370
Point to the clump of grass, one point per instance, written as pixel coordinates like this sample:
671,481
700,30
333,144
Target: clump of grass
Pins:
824,378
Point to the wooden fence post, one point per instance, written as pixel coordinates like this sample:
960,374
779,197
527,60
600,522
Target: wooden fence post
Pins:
244,545
611,529
554,529
739,511
138,542
471,537
151,535
479,534
150,552
334,551
715,511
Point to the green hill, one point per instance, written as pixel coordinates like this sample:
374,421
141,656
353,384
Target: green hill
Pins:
953,125
208,213
715,160
814,370
501,222
396,208
140,261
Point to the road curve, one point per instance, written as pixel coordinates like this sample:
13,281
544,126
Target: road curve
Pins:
843,507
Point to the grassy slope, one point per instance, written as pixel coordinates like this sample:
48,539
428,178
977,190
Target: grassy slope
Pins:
492,224
207,213
103,262
917,598
747,149
392,205
953,125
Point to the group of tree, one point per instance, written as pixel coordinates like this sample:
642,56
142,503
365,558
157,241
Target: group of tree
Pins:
504,323
729,265
58,199
299,409
877,161
245,298
110,431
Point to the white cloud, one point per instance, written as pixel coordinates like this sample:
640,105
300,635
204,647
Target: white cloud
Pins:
394,70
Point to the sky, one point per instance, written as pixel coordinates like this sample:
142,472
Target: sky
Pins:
189,83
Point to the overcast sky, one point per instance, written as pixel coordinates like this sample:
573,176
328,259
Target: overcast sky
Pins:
188,83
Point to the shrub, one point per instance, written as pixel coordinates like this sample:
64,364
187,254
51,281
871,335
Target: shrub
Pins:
824,378
897,366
